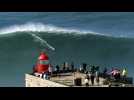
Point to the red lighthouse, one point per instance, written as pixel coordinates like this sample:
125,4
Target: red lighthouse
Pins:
42,64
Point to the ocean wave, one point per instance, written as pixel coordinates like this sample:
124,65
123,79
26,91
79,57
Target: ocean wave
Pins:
42,41
39,27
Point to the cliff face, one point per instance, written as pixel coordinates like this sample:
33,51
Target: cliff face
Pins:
32,81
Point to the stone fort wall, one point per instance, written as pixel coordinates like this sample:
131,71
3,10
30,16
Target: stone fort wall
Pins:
33,81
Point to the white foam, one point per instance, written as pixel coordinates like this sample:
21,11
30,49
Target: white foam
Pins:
43,42
39,27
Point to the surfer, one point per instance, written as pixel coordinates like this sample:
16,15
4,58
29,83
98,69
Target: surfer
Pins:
43,42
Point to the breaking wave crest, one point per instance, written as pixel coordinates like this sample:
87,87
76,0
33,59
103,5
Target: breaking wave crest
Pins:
39,27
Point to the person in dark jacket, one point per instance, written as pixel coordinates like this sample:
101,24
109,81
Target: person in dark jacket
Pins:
58,68
92,78
105,72
64,68
72,67
84,67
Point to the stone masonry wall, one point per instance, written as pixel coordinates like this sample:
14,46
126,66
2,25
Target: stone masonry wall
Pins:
32,81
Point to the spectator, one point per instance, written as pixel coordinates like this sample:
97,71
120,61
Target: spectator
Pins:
92,78
97,77
72,67
86,82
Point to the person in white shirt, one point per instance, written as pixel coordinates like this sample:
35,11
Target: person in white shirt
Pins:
50,69
86,82
124,74
97,77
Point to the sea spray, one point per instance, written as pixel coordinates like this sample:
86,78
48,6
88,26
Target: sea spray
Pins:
40,27
43,42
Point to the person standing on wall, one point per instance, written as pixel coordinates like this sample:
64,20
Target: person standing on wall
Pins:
92,78
124,74
97,77
72,67
50,69
67,66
